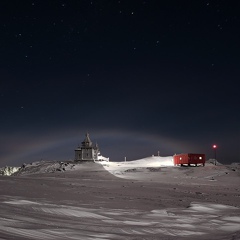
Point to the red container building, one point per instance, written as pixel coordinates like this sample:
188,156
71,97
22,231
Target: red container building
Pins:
188,159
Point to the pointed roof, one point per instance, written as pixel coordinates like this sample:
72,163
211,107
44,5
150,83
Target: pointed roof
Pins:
87,141
87,138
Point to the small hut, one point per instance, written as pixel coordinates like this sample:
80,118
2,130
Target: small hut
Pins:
189,159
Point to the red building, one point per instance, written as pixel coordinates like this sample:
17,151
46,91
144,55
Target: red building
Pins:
188,159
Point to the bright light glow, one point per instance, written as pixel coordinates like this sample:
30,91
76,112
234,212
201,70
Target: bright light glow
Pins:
214,146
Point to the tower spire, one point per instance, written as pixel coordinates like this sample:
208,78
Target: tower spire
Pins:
87,141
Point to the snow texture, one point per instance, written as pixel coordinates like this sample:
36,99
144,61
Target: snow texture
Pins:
143,199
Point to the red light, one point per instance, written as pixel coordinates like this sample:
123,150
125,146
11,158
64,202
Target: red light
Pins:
214,146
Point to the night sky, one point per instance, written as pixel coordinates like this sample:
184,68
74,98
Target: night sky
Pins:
139,76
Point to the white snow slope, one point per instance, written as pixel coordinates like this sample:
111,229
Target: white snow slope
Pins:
118,168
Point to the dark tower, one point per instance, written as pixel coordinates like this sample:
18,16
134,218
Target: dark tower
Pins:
87,152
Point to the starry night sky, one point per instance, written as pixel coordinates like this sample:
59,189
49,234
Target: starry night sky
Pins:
139,76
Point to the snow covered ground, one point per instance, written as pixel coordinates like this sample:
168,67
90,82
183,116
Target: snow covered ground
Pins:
43,220
119,168
149,199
